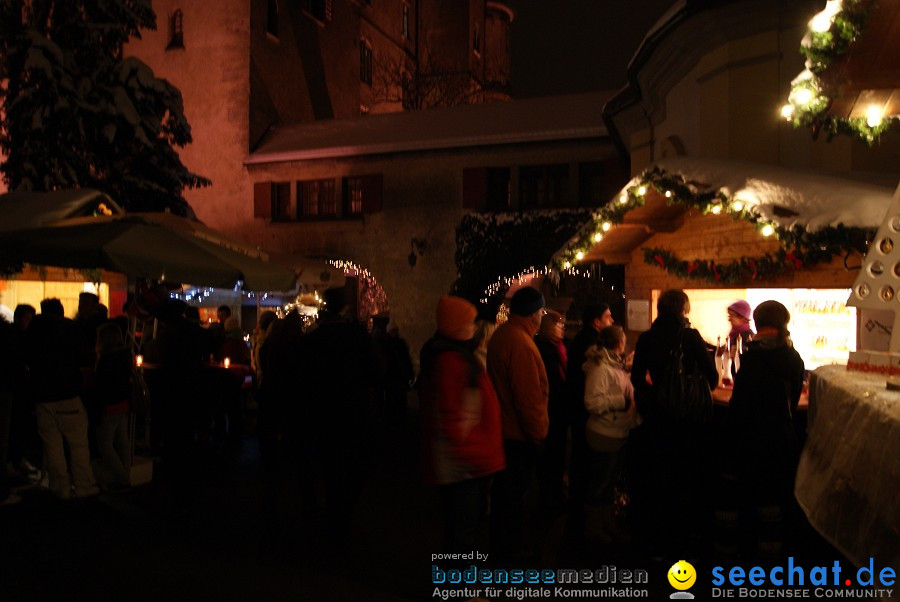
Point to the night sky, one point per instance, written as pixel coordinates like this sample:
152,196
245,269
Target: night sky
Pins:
570,46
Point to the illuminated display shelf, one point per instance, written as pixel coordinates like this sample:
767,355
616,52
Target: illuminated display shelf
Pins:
823,327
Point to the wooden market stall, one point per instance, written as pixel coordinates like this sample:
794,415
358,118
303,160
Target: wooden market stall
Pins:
726,230
23,210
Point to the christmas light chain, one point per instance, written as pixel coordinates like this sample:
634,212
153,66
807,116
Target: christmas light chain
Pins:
829,37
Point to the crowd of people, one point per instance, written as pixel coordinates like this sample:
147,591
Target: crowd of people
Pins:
515,419
64,397
585,424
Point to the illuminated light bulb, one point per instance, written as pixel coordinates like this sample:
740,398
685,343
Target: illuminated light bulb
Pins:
716,209
874,115
668,194
768,230
227,362
642,191
623,198
139,360
579,255
598,237
804,96
567,265
606,226
820,23
737,205
787,111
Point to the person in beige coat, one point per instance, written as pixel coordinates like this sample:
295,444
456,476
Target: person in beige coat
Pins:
609,399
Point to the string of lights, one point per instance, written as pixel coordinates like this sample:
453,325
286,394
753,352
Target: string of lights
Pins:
829,37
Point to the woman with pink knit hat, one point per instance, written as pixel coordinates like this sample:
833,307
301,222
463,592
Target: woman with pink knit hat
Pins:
739,314
461,430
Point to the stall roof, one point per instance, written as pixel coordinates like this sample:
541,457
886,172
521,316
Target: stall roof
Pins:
569,117
786,197
23,210
818,200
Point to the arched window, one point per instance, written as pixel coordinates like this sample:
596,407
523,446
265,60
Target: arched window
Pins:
176,27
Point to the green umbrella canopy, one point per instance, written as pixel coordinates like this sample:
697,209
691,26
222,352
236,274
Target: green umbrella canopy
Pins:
143,248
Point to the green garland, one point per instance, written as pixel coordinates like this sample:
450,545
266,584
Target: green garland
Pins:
846,26
762,268
799,247
811,92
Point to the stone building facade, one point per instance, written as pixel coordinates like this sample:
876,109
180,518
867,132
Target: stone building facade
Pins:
269,87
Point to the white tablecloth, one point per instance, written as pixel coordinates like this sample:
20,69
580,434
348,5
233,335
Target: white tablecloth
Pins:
848,481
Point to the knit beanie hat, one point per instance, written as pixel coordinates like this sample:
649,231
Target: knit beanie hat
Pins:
526,301
741,308
454,314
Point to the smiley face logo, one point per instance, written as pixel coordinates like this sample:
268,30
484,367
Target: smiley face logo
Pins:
682,575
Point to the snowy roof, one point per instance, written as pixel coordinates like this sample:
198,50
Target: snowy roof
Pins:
570,117
21,210
787,197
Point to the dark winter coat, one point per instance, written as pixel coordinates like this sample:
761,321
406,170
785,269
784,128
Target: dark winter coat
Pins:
113,378
762,440
652,353
555,362
586,338
52,357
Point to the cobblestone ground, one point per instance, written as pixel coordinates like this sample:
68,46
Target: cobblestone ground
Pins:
127,546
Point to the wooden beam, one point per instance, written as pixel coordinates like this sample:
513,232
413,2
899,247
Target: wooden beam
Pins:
652,226
614,258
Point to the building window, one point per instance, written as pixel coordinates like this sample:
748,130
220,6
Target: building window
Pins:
353,191
319,9
272,18
405,21
543,186
476,40
498,189
316,198
362,194
176,27
365,62
486,188
281,202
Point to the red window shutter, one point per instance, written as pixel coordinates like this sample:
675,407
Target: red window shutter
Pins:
475,188
262,200
372,193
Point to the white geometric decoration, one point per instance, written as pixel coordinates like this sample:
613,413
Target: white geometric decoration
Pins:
877,286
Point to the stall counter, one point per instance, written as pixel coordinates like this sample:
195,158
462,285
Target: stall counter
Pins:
848,480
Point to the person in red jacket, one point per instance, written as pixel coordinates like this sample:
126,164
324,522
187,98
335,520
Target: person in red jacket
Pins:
461,431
